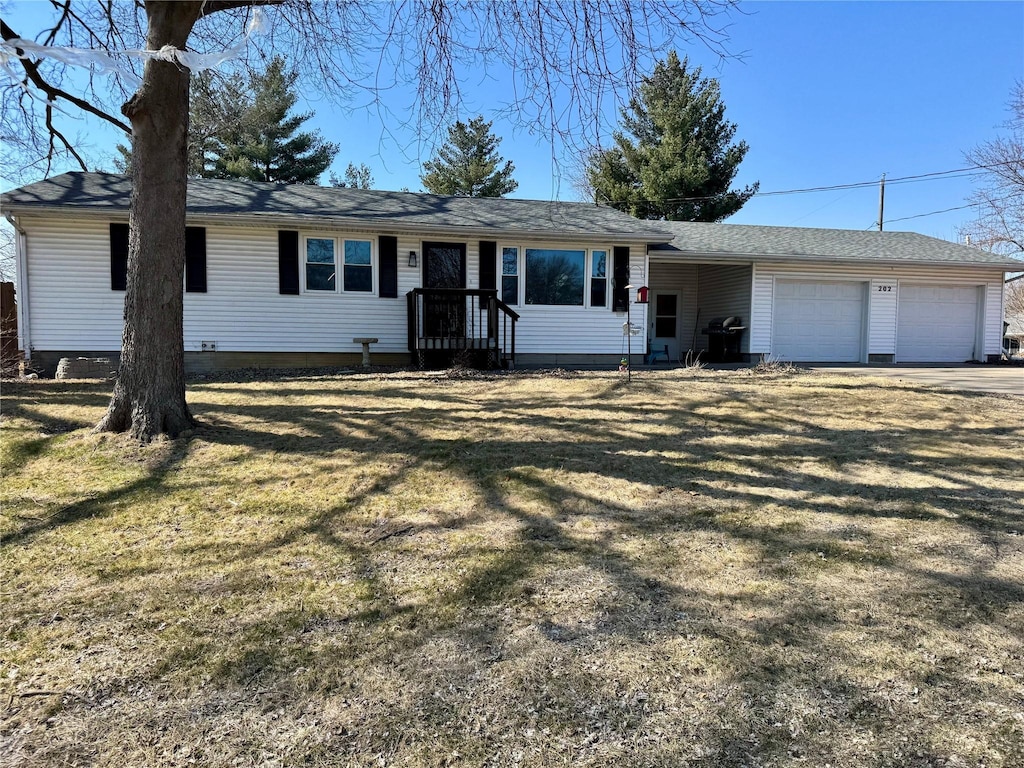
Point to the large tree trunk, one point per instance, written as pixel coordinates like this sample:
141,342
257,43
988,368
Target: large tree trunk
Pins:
149,395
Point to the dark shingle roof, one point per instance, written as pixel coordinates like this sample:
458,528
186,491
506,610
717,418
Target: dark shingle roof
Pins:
760,243
280,204
106,192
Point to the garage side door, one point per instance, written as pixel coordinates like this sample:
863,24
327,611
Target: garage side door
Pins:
818,322
937,323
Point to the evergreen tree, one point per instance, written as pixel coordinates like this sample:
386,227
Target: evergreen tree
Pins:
356,177
468,164
240,130
262,144
675,157
219,106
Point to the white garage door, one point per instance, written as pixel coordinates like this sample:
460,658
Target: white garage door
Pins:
937,323
818,322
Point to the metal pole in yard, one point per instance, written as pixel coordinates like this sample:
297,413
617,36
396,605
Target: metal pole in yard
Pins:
629,339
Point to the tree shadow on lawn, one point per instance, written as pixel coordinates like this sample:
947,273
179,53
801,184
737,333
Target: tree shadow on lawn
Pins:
102,504
544,539
600,620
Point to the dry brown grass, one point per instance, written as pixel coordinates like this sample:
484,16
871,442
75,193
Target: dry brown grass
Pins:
701,568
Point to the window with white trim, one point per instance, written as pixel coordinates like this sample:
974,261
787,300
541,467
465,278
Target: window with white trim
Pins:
321,271
510,275
554,276
358,272
599,278
333,264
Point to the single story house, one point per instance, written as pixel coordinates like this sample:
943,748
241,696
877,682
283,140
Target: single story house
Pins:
281,275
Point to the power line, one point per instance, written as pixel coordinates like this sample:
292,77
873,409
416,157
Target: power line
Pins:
933,176
932,213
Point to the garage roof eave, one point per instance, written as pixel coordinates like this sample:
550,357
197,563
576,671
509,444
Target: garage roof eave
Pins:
672,253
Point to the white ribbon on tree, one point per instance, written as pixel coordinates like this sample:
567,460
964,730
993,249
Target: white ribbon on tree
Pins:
19,48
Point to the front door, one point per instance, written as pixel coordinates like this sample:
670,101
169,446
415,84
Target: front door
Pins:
444,266
664,319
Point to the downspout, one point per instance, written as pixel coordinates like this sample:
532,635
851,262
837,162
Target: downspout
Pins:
21,286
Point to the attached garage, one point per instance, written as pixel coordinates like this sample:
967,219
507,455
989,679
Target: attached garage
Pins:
820,322
937,323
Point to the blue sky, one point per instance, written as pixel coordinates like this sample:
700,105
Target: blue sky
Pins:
824,93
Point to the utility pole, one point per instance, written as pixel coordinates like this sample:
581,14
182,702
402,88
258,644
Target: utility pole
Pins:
881,202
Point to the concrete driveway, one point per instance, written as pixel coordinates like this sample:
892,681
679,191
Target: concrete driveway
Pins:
1000,379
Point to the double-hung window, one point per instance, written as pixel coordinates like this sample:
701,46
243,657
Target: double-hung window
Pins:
358,273
321,271
338,264
598,278
510,276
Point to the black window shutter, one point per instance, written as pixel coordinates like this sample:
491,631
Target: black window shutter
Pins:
288,262
620,278
488,264
118,257
388,266
195,259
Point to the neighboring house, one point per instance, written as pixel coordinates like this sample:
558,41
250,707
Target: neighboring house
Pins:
292,275
1013,341
1013,333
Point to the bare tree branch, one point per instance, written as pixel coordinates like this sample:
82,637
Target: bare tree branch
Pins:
53,92
999,226
55,134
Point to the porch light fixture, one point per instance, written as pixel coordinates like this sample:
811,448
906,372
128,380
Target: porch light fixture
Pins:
412,259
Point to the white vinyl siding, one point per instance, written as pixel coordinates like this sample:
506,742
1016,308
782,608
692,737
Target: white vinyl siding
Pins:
992,318
937,323
708,291
882,299
553,330
762,299
819,321
881,326
73,309
683,278
70,301
723,290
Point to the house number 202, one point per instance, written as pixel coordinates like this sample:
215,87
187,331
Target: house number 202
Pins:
885,288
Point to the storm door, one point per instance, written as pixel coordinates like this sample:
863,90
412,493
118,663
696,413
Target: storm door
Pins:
664,315
444,266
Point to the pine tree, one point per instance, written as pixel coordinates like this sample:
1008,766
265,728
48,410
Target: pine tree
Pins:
262,143
675,157
241,130
468,164
356,177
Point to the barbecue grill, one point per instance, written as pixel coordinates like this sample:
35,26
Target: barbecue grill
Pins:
724,335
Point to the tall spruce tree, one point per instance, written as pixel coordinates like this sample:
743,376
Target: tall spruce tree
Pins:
675,157
218,107
263,144
240,129
468,164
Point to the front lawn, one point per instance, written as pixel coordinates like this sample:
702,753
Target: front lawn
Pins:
704,569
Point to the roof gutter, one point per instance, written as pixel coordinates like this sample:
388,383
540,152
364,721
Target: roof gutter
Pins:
21,285
1008,265
295,221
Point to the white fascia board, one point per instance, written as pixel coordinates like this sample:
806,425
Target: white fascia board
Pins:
1008,265
384,226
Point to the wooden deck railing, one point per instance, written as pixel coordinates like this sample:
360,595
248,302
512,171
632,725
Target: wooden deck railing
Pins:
471,326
